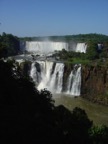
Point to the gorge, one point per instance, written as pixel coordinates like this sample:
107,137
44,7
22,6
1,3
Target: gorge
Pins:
53,74
71,68
57,76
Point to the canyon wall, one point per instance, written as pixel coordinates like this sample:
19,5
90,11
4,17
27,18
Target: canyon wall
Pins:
94,84
94,80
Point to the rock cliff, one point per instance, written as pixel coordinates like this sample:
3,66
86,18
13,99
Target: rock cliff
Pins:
95,83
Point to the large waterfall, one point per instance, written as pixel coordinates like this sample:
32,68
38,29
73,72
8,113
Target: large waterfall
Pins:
50,75
45,47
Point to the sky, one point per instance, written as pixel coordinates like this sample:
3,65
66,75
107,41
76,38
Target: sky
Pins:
53,17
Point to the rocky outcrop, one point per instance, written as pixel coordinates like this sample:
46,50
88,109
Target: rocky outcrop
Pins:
25,67
95,83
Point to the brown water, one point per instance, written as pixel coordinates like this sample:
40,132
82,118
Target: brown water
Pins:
97,113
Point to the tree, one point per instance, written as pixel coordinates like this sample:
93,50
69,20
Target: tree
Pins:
21,104
10,44
92,51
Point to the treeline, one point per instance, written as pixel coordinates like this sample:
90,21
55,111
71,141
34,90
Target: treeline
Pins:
30,116
9,45
67,38
94,52
92,41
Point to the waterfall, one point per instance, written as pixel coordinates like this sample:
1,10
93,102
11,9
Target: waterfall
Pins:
48,75
34,74
45,46
48,78
69,83
74,81
81,47
46,70
57,78
76,85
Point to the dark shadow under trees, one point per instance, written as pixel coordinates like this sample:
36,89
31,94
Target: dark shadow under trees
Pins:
29,116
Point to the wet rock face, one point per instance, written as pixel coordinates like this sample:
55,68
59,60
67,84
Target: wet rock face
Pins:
25,68
95,83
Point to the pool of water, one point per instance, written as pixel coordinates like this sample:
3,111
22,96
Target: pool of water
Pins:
97,113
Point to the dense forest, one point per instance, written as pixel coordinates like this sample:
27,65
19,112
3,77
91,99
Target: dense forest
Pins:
29,115
9,45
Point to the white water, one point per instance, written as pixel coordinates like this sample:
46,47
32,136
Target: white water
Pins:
76,84
74,81
51,77
46,69
51,82
20,61
81,47
69,83
45,46
35,74
57,78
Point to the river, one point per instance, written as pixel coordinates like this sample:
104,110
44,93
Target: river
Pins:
97,113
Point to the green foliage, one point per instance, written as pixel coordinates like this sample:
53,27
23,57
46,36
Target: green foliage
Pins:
92,54
99,134
78,61
9,45
92,51
76,38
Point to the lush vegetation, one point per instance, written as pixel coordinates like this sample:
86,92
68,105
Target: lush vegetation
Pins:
9,45
92,55
92,41
75,38
30,116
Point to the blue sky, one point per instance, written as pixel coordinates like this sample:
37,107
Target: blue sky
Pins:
53,17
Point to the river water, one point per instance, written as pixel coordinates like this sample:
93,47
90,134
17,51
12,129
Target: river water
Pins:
97,113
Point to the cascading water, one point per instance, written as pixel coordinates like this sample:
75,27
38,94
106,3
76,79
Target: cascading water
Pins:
51,77
57,78
45,46
74,81
52,80
69,83
76,84
81,47
34,74
46,70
